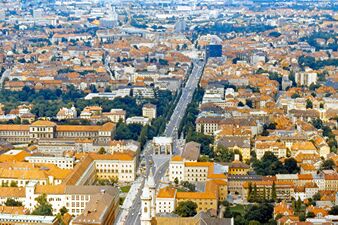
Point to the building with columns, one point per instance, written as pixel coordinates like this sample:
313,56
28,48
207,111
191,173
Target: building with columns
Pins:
163,145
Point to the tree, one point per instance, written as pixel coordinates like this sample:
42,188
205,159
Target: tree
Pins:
254,193
316,197
102,151
317,123
240,104
13,183
63,210
268,165
186,209
259,212
191,187
273,192
143,135
309,104
298,205
249,103
327,165
176,180
250,197
224,155
254,222
310,215
265,133
290,164
43,208
295,95
12,202
334,210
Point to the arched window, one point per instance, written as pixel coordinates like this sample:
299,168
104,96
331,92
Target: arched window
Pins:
145,209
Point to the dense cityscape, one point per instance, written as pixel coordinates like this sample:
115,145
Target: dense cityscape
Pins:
144,112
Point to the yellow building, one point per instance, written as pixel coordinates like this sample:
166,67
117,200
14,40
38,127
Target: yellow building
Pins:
43,129
238,168
149,111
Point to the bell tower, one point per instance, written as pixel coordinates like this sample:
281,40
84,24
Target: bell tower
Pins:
146,205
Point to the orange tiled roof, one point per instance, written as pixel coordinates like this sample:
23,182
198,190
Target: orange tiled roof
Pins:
195,195
166,192
176,158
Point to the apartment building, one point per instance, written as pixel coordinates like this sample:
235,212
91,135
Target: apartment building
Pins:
149,111
284,189
277,148
208,125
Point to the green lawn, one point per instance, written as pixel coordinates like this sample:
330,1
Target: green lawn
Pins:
179,189
238,208
125,189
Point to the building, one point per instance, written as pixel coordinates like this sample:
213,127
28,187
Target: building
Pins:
14,219
306,78
163,145
138,120
168,198
75,198
93,166
277,148
90,111
182,170
116,115
20,173
191,151
235,182
236,143
47,130
284,189
61,162
165,200
208,125
66,114
180,26
102,208
201,218
14,156
237,167
149,111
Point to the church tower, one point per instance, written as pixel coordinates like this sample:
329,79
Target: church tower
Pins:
146,205
152,189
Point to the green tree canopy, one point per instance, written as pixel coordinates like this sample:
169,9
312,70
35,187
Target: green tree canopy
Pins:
259,212
12,202
327,165
186,209
268,165
43,208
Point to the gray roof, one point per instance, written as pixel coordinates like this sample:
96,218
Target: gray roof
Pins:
231,141
191,151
